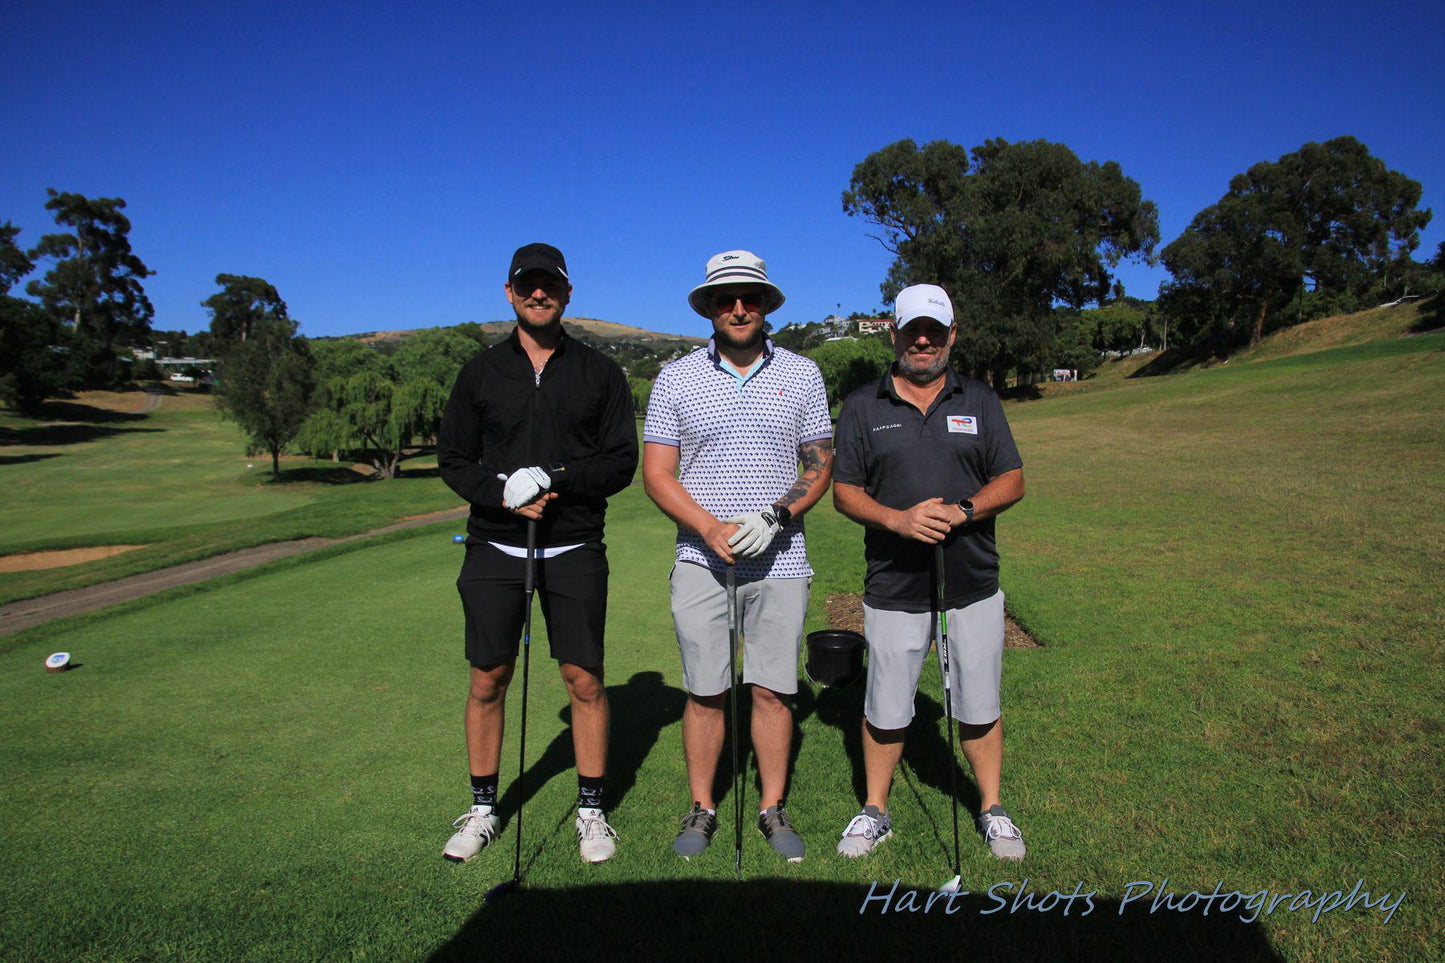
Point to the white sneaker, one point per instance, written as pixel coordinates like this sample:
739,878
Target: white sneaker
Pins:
864,833
596,838
476,828
1003,837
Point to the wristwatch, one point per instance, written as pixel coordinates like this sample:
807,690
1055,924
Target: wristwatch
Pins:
558,473
967,507
784,515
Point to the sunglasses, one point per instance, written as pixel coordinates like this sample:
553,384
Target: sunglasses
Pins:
752,300
527,283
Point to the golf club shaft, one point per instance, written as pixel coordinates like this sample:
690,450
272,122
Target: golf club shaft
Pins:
947,694
733,686
528,586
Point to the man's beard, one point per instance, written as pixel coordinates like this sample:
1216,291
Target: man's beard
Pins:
924,375
752,341
531,325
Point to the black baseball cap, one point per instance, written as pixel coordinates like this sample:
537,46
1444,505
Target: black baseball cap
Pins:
538,257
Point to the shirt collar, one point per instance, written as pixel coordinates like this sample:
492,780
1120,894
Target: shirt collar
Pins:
716,358
515,340
951,383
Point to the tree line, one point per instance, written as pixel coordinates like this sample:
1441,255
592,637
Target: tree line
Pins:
1025,237
329,397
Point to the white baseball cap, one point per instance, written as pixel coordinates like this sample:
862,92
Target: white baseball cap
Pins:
922,301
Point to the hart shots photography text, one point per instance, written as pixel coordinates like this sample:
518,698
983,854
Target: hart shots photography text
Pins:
1140,895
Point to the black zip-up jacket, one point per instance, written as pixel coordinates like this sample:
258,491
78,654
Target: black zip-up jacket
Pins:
577,414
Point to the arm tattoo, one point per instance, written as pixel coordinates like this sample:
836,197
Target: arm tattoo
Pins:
816,456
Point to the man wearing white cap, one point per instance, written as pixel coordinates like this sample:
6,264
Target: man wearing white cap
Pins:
925,458
727,427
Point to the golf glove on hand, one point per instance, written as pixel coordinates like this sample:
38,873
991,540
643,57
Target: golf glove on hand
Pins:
523,486
755,532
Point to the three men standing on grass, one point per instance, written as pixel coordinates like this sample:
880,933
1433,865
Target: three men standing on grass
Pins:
539,429
925,457
726,429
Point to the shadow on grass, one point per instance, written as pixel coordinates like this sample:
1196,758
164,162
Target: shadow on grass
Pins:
801,920
641,709
27,459
1022,393
67,434
1432,316
925,756
336,475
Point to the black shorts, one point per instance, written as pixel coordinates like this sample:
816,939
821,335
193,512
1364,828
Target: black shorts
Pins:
573,590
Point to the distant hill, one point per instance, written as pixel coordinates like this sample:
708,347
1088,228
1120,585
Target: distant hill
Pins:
1383,323
640,352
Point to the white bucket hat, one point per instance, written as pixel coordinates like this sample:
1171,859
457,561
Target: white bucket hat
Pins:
731,268
922,301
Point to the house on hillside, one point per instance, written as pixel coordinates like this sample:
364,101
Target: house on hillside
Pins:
874,325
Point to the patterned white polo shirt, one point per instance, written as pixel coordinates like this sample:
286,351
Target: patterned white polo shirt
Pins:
738,441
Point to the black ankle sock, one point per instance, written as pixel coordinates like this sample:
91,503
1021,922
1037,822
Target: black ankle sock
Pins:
589,792
484,790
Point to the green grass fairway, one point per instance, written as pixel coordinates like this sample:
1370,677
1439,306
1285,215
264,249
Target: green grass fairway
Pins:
174,480
1235,573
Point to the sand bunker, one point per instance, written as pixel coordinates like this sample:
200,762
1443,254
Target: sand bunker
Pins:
34,561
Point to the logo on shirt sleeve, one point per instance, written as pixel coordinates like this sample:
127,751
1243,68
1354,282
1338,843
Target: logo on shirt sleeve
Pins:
963,424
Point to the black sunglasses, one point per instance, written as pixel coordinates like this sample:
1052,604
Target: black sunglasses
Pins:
752,300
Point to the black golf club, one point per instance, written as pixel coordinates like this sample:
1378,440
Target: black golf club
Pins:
951,885
733,677
505,887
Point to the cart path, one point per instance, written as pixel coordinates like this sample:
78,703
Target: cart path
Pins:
18,616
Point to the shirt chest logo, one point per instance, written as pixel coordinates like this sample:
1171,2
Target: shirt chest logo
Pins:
962,425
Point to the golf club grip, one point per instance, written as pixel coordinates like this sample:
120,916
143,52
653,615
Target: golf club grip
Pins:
531,556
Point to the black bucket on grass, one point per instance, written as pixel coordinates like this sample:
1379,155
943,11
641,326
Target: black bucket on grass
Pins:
835,657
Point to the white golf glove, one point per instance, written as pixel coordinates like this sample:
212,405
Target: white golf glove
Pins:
755,532
523,486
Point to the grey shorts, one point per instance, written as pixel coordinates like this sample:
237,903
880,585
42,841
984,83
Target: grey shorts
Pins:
770,619
898,643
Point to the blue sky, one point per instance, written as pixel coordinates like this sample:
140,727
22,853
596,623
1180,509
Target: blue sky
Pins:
379,162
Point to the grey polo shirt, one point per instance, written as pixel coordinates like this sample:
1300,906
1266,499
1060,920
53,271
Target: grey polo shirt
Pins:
900,457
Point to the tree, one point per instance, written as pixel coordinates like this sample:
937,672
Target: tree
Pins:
379,406
29,363
1328,217
266,371
265,387
1009,230
241,306
848,364
94,284
426,365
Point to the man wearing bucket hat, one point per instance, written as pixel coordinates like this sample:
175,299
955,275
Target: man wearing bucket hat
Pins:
538,433
726,429
925,458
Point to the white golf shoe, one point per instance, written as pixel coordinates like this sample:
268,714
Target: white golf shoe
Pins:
998,830
864,832
475,829
596,839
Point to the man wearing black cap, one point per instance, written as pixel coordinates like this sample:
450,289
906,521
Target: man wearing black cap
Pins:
540,429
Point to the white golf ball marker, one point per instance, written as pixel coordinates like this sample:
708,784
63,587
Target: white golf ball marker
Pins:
57,662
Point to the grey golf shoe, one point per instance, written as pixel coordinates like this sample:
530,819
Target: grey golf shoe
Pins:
864,832
694,832
998,830
777,828
475,830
